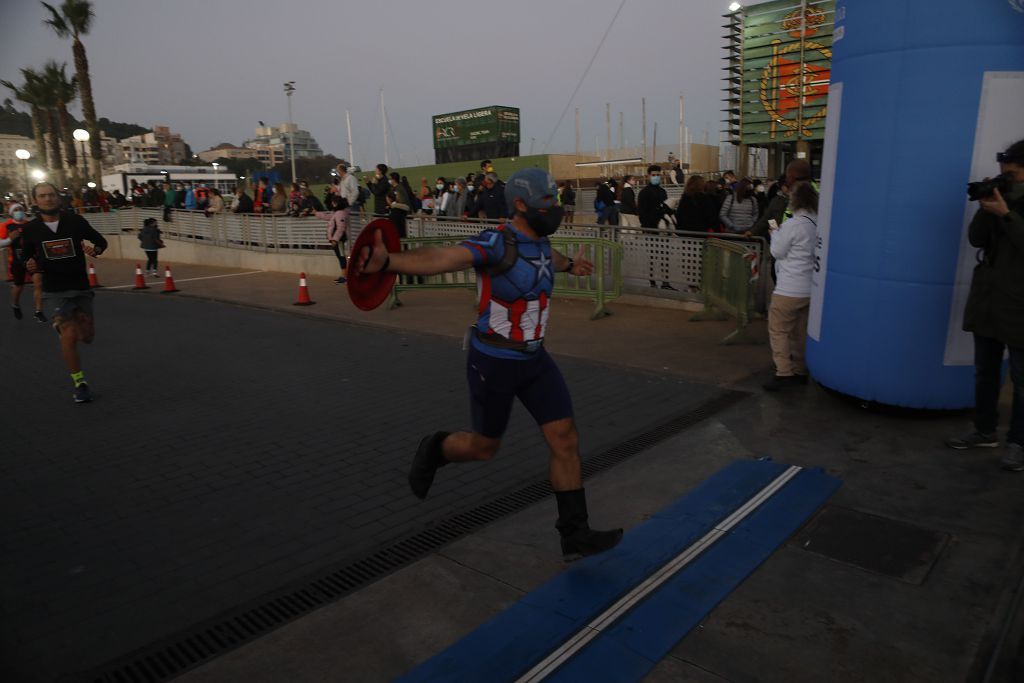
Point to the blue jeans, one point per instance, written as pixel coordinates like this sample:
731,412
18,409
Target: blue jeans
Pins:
988,370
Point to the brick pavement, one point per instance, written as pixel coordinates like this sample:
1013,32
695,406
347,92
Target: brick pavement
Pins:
231,451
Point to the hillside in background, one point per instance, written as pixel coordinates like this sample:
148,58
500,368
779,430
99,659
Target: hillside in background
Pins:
14,122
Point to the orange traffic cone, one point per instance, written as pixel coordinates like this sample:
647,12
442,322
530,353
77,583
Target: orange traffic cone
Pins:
93,280
169,287
140,282
304,299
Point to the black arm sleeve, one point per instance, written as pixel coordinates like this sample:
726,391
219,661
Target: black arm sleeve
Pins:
28,246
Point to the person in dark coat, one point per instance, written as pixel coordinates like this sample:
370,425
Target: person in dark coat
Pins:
651,208
244,200
491,201
650,204
697,211
150,241
379,188
995,310
605,199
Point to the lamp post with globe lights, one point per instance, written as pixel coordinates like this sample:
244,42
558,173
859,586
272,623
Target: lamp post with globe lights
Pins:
82,135
24,155
289,90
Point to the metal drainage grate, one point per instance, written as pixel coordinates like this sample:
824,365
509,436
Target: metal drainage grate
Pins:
205,641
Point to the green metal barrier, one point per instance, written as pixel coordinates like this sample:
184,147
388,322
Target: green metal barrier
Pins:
604,285
727,288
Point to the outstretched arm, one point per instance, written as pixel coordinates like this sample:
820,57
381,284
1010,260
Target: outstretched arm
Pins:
579,265
422,261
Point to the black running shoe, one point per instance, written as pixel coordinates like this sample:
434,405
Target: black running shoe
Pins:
584,542
17,312
82,393
425,463
340,281
39,316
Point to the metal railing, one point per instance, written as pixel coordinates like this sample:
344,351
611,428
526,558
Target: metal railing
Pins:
601,287
727,287
662,255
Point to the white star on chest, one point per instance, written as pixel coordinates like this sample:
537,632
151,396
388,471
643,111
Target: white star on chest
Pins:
543,266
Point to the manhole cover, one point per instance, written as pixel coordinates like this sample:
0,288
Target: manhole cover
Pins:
877,544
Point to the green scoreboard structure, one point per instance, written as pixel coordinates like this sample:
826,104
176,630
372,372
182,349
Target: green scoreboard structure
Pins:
779,63
485,133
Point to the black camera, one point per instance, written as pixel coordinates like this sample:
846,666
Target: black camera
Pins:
986,188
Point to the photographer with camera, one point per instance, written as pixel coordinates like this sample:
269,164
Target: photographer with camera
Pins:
995,305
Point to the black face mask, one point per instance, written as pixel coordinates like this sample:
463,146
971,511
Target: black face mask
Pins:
544,223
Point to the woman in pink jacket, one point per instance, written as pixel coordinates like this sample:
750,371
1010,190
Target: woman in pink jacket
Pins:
337,228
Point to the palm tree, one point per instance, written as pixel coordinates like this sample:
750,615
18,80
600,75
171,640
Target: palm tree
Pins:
48,105
73,20
32,92
64,91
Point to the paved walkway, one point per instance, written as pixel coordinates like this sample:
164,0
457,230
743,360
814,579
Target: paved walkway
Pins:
640,337
230,446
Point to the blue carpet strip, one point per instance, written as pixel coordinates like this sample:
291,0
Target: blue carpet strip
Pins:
614,616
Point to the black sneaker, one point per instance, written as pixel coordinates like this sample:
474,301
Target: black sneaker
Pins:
82,393
17,312
781,382
586,542
425,463
973,440
1014,458
39,316
340,281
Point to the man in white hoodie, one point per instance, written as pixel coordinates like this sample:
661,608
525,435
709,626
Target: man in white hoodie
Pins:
792,245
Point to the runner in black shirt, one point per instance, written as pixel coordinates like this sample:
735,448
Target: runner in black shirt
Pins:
53,242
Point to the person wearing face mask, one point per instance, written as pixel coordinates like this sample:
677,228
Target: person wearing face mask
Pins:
441,196
651,208
379,188
399,204
515,267
10,237
54,243
491,199
994,314
457,199
567,198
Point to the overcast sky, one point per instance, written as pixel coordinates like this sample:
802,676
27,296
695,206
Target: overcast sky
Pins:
210,69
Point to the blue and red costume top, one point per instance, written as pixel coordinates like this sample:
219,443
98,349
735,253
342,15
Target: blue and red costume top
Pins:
514,304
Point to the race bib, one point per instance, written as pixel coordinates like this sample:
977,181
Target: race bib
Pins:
59,249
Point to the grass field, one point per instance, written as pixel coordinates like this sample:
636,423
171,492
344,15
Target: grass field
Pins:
503,167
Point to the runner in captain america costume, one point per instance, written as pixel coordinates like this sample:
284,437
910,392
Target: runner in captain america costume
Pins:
515,267
514,304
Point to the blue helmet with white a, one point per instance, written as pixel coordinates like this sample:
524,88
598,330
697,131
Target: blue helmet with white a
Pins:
534,186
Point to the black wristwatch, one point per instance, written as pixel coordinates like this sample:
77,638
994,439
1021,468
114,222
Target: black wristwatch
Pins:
571,265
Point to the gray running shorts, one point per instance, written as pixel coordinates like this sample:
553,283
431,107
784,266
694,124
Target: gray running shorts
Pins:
67,302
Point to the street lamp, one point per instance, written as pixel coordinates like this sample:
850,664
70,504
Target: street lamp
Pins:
82,136
215,165
24,155
38,174
91,185
735,7
289,88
